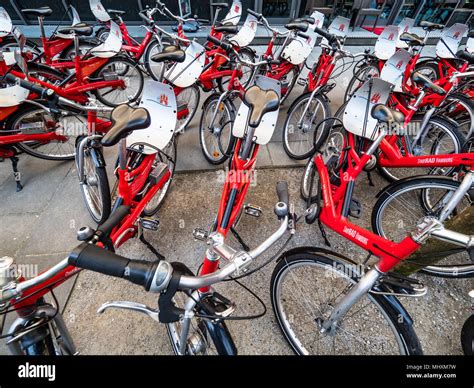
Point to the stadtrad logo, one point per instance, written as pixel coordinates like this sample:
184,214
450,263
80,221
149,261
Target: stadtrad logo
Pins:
28,371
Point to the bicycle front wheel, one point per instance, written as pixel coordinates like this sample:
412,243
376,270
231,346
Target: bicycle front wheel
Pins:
302,128
95,188
401,207
216,136
306,287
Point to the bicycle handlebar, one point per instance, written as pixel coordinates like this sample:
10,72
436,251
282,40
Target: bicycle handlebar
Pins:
230,49
155,276
331,38
43,93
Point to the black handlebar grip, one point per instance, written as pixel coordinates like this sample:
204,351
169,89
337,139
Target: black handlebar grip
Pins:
226,46
303,35
256,14
282,192
93,258
115,218
41,92
330,37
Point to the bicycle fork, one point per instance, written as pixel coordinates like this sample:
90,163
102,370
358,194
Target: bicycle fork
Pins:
364,285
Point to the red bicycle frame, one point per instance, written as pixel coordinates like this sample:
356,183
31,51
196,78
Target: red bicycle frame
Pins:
237,183
77,89
336,197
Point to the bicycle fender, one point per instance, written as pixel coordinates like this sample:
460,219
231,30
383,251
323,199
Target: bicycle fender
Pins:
221,337
97,157
408,179
315,250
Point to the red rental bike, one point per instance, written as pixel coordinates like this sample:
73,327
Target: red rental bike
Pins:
195,320
285,71
113,79
218,115
312,108
361,313
346,142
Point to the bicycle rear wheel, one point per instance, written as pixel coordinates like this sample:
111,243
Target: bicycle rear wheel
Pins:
401,207
305,288
440,137
33,119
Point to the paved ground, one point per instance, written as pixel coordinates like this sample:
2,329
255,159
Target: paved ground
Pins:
38,227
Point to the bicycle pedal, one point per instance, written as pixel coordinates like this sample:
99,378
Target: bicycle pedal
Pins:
149,223
200,234
158,173
398,285
355,209
252,210
220,306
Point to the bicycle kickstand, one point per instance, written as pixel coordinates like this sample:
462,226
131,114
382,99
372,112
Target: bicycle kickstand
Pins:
16,173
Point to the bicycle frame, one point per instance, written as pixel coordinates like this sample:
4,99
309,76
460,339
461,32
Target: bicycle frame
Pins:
235,188
76,89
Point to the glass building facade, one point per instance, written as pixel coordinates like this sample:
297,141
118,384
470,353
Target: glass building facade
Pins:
278,11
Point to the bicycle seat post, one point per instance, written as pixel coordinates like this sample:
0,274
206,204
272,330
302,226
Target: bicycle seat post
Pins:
41,26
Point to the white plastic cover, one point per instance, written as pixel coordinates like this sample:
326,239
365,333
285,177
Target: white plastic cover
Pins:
187,73
159,99
450,40
394,69
358,109
405,26
6,24
386,44
298,50
12,96
264,132
112,44
339,27
246,33
470,45
234,14
99,11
